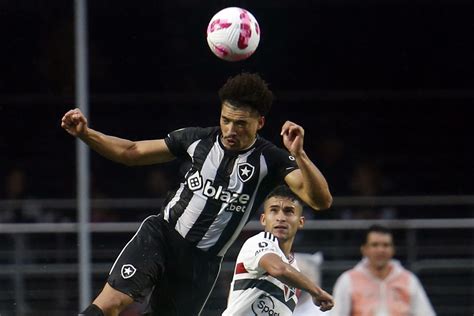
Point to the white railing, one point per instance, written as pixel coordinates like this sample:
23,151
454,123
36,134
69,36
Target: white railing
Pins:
123,227
19,270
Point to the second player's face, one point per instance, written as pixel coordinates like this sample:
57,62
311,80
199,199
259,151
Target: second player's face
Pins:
378,249
239,126
282,217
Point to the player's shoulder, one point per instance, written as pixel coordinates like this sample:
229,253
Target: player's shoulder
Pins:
196,131
266,145
261,239
264,236
190,134
272,151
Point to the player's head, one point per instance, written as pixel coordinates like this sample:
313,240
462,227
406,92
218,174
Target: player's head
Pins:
282,214
378,246
245,100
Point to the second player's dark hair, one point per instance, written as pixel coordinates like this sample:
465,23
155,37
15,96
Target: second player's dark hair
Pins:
285,192
247,89
376,229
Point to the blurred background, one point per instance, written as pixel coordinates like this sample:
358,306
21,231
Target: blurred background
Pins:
384,90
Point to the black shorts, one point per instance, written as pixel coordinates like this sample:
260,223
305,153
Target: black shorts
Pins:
160,265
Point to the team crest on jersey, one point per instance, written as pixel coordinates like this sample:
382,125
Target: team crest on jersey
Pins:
289,292
127,271
246,171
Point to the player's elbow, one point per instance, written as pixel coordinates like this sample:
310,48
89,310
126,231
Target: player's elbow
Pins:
322,203
327,202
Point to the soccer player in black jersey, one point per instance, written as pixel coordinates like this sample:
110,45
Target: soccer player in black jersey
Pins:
177,253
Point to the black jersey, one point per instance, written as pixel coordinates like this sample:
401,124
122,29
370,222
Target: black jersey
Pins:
222,188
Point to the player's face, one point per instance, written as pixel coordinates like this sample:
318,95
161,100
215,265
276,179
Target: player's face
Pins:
378,249
239,126
282,217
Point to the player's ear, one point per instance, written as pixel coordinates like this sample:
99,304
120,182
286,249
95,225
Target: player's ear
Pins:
262,219
261,122
301,222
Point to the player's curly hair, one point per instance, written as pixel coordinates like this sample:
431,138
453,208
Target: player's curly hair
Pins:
247,89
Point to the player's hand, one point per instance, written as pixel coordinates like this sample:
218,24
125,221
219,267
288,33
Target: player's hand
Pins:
74,122
324,300
293,136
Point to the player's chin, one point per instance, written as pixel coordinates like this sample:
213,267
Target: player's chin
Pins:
281,234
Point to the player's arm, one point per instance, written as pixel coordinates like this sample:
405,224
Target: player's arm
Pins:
285,273
114,148
307,181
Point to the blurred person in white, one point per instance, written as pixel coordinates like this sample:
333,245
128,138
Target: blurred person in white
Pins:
310,266
266,276
378,285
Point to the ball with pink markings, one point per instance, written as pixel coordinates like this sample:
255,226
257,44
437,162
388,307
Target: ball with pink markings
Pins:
233,34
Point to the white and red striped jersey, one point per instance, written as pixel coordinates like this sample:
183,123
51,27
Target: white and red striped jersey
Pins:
253,291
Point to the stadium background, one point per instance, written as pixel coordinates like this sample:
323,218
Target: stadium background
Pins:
382,88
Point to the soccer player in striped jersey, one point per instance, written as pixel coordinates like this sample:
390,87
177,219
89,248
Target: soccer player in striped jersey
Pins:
230,169
266,278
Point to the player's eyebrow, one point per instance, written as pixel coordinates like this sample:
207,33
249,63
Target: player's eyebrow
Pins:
231,120
279,206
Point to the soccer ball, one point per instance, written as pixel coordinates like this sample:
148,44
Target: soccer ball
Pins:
233,34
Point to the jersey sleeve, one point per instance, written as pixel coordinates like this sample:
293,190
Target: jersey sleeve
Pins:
256,247
179,140
280,161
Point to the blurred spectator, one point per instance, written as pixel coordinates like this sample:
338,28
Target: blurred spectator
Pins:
368,181
310,265
102,214
159,183
334,161
16,190
378,285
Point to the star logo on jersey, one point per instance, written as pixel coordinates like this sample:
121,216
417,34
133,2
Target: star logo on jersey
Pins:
127,271
246,171
289,292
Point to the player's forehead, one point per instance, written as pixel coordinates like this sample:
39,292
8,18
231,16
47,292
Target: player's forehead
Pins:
281,202
242,112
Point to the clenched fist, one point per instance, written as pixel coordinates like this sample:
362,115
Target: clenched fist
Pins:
74,122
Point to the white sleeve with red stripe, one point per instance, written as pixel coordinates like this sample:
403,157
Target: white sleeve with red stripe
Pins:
254,249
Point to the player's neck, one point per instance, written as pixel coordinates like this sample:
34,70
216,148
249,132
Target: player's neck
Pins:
286,246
